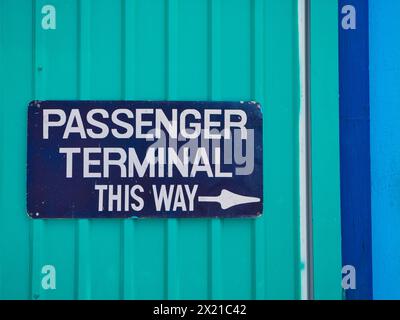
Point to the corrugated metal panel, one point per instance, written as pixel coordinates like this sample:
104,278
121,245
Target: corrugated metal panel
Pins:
325,149
154,50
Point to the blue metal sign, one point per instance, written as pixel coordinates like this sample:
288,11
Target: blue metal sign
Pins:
123,159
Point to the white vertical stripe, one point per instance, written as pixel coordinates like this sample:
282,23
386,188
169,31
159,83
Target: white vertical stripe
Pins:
304,145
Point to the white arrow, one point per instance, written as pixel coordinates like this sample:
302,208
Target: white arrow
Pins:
229,199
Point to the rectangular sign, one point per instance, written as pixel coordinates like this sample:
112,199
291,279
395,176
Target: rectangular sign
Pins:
128,159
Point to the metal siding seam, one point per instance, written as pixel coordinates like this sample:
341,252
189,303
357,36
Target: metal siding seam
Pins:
257,92
36,256
216,224
306,238
83,278
2,113
37,227
172,225
30,224
2,295
128,225
309,213
33,90
302,156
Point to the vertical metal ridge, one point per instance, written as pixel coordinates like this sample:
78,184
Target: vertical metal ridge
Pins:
166,88
258,239
310,240
37,237
33,35
128,226
37,225
33,96
83,283
216,223
1,146
82,241
124,39
302,288
306,225
33,89
172,224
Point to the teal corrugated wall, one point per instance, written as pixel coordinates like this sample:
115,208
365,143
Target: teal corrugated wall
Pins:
325,149
155,50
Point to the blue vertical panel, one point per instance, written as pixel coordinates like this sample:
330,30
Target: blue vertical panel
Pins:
354,144
385,146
